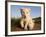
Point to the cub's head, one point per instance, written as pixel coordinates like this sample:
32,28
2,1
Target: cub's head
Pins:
25,12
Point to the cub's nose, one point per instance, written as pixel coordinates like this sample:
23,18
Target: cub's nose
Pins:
24,16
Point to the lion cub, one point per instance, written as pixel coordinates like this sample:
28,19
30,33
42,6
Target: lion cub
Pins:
26,20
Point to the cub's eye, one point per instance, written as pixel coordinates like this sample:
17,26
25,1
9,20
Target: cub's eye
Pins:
22,12
27,12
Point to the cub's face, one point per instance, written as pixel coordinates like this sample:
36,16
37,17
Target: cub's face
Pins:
25,12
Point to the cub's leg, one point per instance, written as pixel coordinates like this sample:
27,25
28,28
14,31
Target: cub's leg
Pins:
26,24
22,23
31,26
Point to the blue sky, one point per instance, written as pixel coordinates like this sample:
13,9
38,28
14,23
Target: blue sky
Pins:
35,10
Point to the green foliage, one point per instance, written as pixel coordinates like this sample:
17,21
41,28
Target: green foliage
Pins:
37,20
15,21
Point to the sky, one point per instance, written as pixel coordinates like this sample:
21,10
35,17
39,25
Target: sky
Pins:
35,11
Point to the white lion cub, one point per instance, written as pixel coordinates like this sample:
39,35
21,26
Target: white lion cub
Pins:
26,20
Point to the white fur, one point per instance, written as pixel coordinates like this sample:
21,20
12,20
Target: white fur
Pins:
28,19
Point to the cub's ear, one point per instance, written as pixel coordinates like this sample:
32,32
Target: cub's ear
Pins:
21,11
30,9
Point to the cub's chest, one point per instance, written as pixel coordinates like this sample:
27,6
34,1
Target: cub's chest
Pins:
26,19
